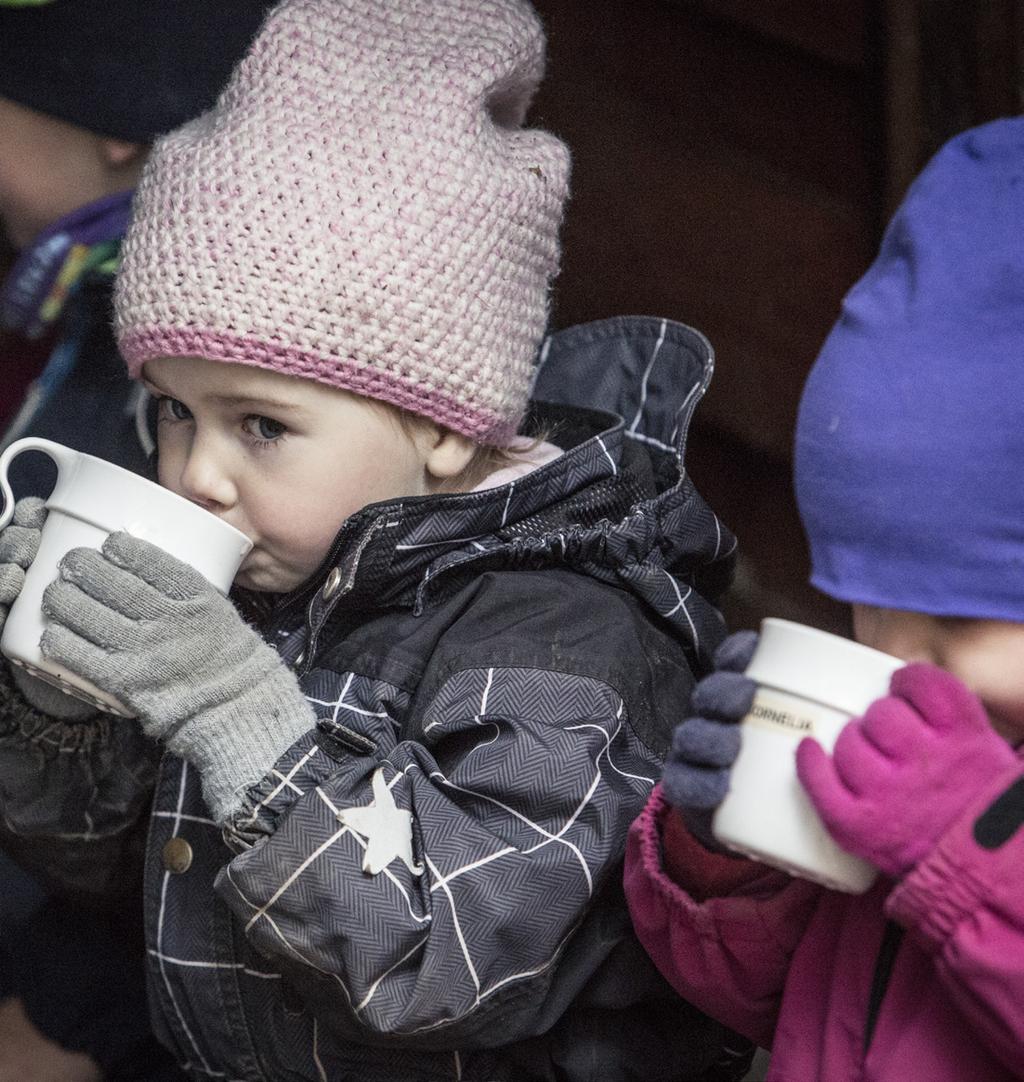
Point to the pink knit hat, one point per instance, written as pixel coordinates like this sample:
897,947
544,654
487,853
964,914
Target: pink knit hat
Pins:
362,207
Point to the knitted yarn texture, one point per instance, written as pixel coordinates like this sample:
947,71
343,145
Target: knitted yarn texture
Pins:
363,208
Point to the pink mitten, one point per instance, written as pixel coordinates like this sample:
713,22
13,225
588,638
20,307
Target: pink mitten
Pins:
899,776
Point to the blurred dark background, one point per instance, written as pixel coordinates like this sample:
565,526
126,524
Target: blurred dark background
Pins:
735,162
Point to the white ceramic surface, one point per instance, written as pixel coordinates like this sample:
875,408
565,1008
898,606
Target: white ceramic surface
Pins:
91,499
810,683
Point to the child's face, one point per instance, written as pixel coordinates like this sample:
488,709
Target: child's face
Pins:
986,655
286,460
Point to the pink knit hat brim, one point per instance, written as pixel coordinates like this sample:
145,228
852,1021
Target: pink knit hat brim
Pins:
145,343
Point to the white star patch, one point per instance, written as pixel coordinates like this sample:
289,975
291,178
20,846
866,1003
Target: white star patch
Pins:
386,828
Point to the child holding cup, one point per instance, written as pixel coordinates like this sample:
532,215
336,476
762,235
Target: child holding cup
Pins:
909,452
386,837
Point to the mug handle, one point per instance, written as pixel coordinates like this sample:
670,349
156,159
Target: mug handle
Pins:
62,456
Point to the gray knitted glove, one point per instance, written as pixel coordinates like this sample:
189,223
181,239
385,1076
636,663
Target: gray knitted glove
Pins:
153,632
19,543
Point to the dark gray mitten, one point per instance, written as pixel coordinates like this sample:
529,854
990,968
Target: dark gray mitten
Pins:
705,745
151,631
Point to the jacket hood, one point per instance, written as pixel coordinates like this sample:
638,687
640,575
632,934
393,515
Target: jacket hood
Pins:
617,396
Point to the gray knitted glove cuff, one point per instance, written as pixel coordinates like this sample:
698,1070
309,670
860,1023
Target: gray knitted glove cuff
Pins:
235,744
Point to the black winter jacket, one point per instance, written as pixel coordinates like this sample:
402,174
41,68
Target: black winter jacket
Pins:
511,662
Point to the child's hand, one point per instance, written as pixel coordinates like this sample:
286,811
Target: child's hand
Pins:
154,633
19,543
705,745
150,630
900,775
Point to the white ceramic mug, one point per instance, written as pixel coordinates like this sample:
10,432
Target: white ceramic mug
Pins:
810,683
91,499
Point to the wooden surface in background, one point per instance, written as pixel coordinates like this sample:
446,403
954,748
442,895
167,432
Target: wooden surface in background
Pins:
950,64
735,163
722,177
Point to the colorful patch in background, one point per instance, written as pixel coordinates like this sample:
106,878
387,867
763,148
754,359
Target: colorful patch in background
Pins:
48,272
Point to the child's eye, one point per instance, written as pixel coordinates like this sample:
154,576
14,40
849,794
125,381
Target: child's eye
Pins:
264,429
173,410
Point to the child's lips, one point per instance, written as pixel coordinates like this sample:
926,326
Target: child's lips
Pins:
250,564
253,557
261,571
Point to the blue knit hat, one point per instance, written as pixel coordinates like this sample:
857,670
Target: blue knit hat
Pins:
910,439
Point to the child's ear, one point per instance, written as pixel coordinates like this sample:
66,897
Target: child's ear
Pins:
448,455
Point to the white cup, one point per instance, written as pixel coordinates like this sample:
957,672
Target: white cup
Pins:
91,499
810,683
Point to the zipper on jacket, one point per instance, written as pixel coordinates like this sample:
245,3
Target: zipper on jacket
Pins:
305,659
891,939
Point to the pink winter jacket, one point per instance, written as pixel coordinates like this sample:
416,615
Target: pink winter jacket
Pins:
936,961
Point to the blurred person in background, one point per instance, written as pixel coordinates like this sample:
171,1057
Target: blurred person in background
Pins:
85,87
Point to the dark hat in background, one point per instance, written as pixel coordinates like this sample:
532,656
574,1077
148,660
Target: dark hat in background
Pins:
131,69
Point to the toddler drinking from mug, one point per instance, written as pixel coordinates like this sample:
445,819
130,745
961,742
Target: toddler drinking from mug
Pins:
909,454
386,834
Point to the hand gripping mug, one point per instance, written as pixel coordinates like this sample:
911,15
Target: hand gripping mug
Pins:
810,683
91,499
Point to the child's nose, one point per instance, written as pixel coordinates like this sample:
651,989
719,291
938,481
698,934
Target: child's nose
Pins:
206,481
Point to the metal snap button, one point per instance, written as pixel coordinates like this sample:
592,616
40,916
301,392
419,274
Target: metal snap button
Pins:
177,855
332,583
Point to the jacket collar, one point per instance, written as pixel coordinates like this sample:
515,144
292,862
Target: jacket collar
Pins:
619,395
